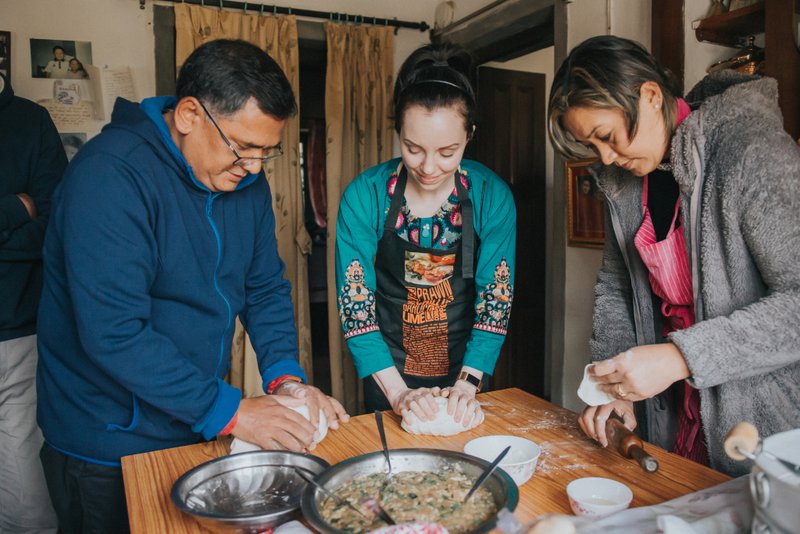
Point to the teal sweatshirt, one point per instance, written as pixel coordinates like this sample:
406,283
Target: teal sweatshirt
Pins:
359,227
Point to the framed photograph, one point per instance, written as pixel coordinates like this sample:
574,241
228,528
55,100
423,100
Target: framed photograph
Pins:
585,206
51,58
5,54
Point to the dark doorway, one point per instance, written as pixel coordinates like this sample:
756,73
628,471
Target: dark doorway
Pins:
510,140
313,62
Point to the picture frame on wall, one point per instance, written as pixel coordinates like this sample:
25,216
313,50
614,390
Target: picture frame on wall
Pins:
585,206
58,58
5,54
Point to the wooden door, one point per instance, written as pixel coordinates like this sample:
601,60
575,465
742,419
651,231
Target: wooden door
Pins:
511,141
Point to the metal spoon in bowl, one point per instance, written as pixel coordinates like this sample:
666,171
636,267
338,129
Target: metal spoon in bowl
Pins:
372,504
486,472
303,473
382,433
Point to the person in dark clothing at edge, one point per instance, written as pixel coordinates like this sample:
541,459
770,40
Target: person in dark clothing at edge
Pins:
162,233
32,161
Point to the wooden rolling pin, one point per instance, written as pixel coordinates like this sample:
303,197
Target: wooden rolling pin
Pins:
628,444
741,442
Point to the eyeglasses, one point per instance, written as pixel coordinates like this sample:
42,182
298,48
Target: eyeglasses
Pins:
245,161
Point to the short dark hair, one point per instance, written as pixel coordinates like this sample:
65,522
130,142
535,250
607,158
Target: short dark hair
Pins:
606,72
57,47
436,76
225,74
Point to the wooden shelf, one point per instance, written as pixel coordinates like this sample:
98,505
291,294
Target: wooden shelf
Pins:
775,19
729,28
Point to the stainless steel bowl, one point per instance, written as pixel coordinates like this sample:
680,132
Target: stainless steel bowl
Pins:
245,492
503,489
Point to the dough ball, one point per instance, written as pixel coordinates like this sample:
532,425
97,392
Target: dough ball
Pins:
238,445
322,427
590,393
441,425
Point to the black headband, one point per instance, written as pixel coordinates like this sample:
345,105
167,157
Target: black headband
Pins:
445,82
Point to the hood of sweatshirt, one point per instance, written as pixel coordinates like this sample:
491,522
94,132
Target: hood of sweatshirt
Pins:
146,120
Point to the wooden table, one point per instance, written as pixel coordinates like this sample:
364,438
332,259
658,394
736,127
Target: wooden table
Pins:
567,454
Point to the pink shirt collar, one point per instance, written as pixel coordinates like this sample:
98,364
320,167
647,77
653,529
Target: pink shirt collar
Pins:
683,110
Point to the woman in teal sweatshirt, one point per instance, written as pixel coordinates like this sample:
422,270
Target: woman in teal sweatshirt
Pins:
425,251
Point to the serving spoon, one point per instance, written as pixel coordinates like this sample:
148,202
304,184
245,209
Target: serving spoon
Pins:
340,501
372,504
382,434
486,472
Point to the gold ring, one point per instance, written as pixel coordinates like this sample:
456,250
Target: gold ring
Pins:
621,394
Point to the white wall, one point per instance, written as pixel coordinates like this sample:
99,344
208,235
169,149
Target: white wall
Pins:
120,33
587,18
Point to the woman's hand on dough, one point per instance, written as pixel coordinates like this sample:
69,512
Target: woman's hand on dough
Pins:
593,419
316,400
270,424
461,402
641,372
418,401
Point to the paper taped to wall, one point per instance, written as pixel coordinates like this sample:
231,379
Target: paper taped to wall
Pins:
108,83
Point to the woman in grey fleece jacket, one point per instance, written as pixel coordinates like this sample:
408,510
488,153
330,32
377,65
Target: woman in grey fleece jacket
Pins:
738,174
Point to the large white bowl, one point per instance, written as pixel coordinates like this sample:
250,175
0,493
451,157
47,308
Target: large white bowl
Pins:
519,463
598,497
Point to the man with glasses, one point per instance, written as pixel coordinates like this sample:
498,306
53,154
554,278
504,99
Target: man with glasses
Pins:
161,235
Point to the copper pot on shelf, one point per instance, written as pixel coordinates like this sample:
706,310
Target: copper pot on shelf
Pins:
748,60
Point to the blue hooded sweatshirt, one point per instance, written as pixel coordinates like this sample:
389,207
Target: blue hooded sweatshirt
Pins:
145,273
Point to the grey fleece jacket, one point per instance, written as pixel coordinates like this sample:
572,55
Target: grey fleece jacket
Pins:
739,178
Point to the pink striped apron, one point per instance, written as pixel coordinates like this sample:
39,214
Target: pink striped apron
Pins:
671,280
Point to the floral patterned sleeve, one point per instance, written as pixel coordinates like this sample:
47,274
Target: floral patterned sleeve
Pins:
494,274
357,236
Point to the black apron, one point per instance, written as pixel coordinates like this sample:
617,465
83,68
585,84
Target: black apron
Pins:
425,302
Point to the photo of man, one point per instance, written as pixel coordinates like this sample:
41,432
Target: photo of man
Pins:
51,58
59,65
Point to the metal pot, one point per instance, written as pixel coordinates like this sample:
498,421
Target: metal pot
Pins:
500,485
774,487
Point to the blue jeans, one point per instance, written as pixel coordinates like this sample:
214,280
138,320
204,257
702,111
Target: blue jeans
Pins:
88,498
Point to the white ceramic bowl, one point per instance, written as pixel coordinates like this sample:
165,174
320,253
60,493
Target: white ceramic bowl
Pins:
598,497
519,463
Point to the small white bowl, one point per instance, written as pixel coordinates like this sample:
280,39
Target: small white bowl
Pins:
519,463
598,497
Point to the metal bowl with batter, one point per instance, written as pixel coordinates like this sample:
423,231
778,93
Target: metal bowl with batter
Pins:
501,487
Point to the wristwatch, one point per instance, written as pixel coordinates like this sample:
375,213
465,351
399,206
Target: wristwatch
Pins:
472,379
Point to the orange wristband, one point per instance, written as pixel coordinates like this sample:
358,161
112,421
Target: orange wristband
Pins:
280,380
229,427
